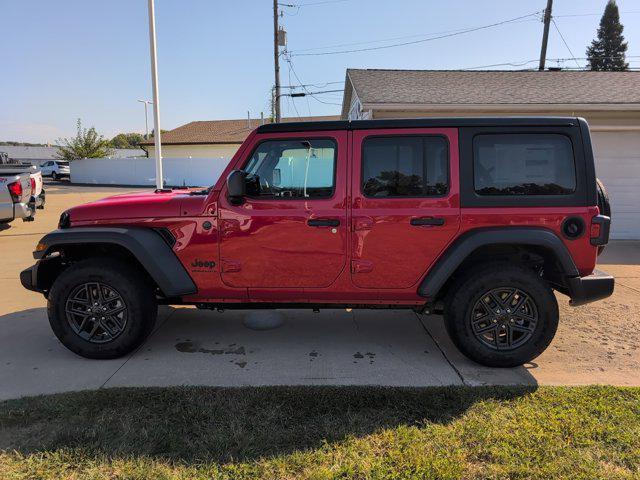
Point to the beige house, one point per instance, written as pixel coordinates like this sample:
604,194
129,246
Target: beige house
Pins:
610,101
211,138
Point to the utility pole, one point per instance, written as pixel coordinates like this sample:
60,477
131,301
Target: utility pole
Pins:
276,61
545,35
156,101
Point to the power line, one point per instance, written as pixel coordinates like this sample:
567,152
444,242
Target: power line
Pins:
291,100
312,4
317,85
592,14
460,32
553,20
389,39
288,58
526,62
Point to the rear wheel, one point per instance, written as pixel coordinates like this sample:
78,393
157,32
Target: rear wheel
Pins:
501,315
100,308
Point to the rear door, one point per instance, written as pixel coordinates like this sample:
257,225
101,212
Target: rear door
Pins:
291,230
406,203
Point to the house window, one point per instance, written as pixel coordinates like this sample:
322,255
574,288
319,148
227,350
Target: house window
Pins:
523,164
405,166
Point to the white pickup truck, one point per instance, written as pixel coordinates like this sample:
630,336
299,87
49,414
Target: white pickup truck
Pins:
10,167
16,199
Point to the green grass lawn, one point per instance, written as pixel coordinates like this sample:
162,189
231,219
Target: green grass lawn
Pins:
324,432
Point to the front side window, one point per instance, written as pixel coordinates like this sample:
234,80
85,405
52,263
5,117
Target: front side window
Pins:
523,164
405,166
292,169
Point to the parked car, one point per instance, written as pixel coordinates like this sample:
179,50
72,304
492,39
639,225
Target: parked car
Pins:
56,169
480,219
15,195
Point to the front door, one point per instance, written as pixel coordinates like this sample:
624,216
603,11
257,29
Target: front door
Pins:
406,204
291,230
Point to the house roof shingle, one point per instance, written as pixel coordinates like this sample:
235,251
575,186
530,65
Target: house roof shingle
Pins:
220,131
493,87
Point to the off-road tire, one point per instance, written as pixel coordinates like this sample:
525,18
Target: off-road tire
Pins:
133,288
461,301
604,205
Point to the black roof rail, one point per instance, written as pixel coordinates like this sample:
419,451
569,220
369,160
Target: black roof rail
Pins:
432,122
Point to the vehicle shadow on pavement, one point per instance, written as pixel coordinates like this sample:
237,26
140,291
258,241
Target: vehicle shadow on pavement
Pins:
202,424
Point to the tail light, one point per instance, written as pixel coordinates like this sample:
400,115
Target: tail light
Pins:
33,185
15,189
599,231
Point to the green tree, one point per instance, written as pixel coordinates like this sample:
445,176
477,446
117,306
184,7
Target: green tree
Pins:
607,52
153,131
126,140
86,144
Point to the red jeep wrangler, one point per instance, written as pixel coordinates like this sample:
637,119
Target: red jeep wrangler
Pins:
481,219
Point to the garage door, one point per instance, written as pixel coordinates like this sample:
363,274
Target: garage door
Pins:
618,166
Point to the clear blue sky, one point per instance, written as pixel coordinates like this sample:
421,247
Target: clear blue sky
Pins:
66,59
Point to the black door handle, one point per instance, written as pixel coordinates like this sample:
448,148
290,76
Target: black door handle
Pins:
427,221
323,222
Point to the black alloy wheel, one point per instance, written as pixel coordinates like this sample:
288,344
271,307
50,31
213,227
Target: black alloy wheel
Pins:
504,318
96,312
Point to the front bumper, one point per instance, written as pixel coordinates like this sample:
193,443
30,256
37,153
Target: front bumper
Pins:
593,287
40,276
28,278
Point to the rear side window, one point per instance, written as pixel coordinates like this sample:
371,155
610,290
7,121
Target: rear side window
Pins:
409,166
523,164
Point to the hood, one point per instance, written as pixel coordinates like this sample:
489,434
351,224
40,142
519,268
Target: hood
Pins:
164,203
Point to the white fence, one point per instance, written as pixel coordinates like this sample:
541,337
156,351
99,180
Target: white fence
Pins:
200,172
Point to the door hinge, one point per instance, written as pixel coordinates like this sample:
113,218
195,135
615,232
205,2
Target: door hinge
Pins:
362,223
361,266
229,266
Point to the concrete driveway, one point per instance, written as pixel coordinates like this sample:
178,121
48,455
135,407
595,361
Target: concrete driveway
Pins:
597,343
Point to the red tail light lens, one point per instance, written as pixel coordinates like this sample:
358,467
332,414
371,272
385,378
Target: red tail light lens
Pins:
15,189
33,185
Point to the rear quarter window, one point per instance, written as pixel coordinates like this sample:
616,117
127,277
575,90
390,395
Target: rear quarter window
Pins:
523,164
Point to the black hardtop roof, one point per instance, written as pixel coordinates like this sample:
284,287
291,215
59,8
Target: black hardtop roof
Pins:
419,122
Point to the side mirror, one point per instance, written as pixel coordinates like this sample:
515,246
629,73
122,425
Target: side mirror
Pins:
236,186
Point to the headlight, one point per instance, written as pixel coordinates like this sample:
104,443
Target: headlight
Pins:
65,220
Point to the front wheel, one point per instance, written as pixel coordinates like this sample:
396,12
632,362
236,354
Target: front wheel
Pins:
54,176
101,308
501,315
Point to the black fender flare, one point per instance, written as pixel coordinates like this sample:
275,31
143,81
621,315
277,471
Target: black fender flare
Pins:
145,244
470,241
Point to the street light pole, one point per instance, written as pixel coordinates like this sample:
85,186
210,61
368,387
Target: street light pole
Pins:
276,61
146,119
156,101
